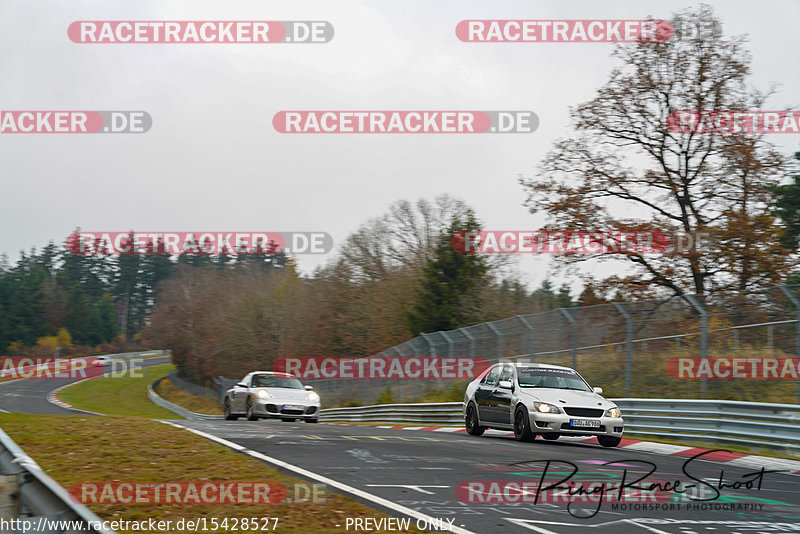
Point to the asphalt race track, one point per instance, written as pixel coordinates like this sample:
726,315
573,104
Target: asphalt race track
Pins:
421,470
30,396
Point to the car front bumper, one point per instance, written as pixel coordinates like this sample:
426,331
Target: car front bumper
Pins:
560,423
273,409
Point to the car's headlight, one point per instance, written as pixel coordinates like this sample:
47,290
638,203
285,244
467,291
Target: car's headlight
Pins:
613,412
543,407
313,397
264,395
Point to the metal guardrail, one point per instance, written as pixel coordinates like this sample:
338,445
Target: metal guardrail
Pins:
139,354
180,410
38,498
752,424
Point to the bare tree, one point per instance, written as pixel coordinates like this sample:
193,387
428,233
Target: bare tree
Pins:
405,236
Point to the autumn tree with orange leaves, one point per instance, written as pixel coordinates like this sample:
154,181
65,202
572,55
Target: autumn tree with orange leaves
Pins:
624,169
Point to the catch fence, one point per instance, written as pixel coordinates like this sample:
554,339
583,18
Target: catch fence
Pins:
643,349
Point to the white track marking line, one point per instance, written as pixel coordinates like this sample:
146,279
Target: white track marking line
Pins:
661,448
380,501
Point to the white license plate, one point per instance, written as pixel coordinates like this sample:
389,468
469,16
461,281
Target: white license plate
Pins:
293,407
585,423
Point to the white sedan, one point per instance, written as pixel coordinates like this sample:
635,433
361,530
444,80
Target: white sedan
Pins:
538,399
264,394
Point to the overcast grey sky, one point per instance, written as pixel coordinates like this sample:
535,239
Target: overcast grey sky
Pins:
212,160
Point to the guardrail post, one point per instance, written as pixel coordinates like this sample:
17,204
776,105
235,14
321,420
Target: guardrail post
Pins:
499,335
431,347
574,331
531,343
796,303
467,335
628,346
403,383
431,350
450,344
417,383
703,332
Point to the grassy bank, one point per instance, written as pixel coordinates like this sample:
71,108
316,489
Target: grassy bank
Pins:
75,449
119,395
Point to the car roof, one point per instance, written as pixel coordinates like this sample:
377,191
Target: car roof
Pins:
542,365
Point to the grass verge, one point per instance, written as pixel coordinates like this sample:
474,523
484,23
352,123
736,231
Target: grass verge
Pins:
74,449
193,403
119,395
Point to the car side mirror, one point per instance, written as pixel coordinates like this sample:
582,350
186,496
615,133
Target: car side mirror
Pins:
599,391
309,388
241,385
506,384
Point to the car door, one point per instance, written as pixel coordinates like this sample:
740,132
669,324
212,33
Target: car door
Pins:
239,396
484,391
500,398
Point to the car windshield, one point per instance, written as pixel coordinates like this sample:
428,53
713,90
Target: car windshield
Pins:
543,377
271,381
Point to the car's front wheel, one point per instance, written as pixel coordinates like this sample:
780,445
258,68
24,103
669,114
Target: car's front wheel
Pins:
251,416
551,436
228,415
608,441
472,423
312,420
522,426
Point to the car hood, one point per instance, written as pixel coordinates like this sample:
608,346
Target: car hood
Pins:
286,393
571,397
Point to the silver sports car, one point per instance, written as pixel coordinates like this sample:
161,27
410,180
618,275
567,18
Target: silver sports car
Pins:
537,399
264,394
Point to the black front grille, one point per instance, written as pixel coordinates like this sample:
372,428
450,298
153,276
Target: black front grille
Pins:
584,412
292,412
271,408
589,429
311,409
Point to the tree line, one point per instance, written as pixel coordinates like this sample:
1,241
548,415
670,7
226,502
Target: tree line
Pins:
54,298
